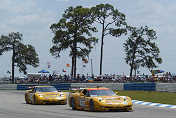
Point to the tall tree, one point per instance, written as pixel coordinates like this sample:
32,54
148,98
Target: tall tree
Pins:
112,21
22,55
73,31
141,50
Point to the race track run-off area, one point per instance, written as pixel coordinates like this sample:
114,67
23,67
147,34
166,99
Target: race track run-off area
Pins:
12,105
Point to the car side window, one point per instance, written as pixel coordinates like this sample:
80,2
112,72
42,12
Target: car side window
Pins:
84,91
87,94
34,90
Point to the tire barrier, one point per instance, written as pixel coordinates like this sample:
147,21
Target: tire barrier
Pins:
140,86
57,86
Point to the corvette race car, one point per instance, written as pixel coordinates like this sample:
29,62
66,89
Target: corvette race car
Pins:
45,95
99,99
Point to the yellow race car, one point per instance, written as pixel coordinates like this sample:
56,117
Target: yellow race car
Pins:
99,99
45,95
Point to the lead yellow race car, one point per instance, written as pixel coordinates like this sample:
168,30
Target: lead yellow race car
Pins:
99,99
45,95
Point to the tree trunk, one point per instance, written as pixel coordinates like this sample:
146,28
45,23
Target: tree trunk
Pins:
133,57
75,50
13,64
72,66
132,64
131,71
75,65
101,55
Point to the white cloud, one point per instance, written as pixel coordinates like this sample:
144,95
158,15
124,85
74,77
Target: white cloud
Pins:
17,6
32,19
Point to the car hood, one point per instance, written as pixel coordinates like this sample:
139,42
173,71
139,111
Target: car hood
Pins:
113,97
50,93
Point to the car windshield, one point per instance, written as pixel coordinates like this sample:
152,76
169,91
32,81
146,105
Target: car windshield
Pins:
46,89
101,93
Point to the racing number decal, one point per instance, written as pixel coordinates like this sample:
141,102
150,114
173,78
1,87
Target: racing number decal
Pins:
30,96
82,102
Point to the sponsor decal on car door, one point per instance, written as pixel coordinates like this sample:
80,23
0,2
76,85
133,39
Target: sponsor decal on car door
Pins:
83,101
31,96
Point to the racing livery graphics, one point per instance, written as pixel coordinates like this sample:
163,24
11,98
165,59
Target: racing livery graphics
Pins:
99,99
45,95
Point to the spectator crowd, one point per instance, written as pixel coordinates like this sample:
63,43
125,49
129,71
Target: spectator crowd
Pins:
54,79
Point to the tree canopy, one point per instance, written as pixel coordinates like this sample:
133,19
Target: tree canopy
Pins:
112,22
22,55
141,50
74,31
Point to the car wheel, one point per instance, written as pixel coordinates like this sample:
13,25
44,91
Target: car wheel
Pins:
131,109
26,99
73,106
91,105
34,100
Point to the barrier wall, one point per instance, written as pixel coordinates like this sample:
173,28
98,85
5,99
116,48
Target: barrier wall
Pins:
113,86
8,87
140,86
166,87
57,86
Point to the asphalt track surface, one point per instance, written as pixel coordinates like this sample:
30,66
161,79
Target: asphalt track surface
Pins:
12,105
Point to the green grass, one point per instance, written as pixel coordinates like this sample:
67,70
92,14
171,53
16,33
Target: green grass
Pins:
151,96
148,96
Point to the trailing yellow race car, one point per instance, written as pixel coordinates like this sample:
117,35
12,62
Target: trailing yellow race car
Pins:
45,95
99,99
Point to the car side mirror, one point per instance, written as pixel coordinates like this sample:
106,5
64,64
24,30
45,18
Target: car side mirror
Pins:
81,94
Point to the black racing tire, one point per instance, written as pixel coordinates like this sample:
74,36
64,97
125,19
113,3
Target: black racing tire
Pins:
34,100
92,108
26,99
131,109
73,105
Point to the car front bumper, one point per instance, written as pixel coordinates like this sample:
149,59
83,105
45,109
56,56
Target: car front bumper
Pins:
113,107
52,101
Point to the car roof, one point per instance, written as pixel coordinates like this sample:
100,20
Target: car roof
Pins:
98,88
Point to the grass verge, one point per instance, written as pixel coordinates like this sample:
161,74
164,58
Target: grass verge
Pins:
151,96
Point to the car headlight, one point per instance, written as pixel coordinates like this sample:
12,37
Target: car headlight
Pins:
102,100
62,95
59,98
40,95
127,99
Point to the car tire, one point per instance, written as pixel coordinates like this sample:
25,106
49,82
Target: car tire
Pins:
34,100
73,105
27,102
131,109
92,105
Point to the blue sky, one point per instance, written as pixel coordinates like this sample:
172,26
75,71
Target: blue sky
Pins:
33,18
